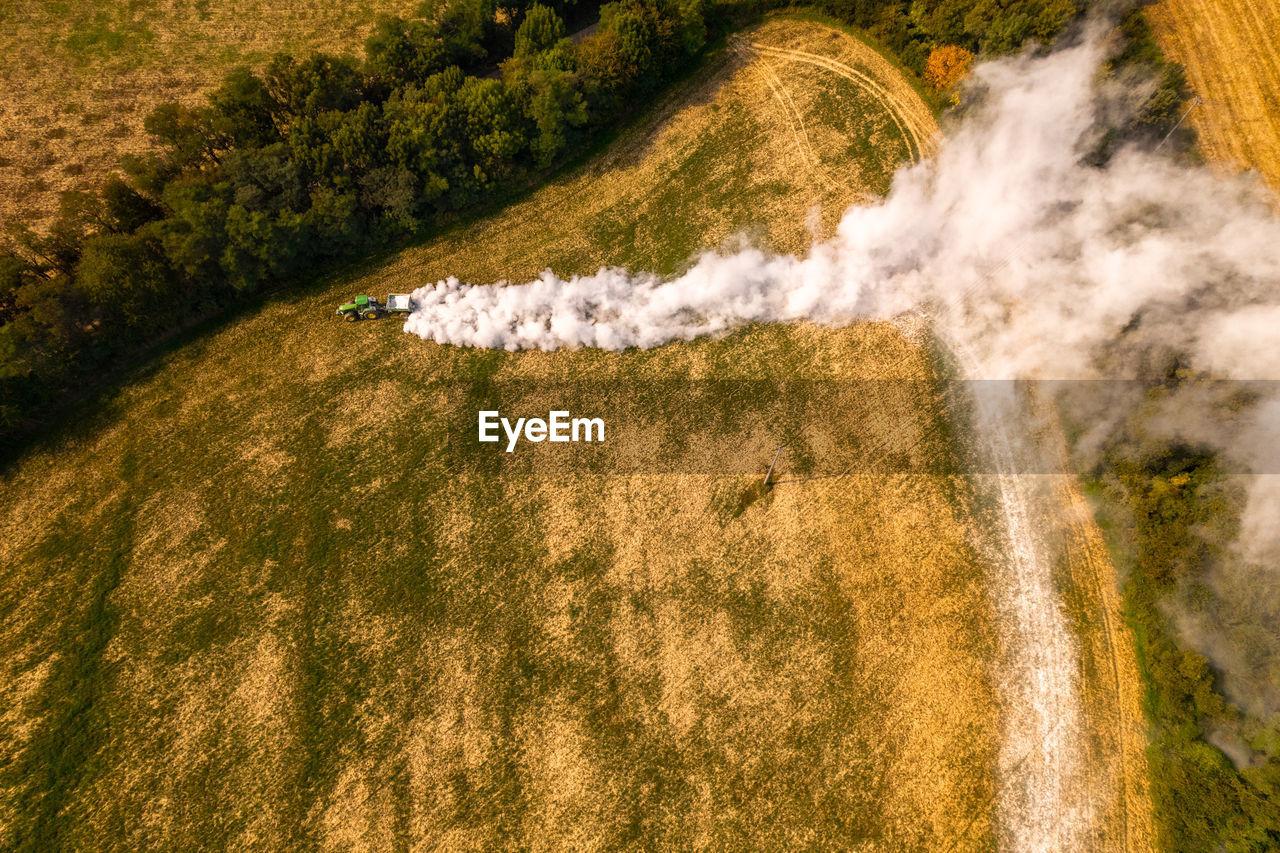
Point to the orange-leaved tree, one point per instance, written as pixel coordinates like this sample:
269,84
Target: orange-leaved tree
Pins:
946,66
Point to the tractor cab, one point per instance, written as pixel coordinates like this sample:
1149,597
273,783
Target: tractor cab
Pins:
362,307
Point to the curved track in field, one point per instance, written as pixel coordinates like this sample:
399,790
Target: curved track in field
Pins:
917,128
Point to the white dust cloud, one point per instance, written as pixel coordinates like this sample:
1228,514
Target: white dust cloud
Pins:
1029,260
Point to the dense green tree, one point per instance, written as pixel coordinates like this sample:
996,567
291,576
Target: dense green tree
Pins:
334,147
194,235
243,112
556,108
14,273
465,27
392,192
317,84
493,135
1051,17
401,52
693,26
16,379
424,133
1006,31
949,22
266,178
540,30
48,324
188,135
334,220
261,246
603,71
127,282
1163,109
124,208
633,25
57,249
1178,514
562,56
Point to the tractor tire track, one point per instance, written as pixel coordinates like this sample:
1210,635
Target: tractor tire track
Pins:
1093,572
790,112
916,129
1075,769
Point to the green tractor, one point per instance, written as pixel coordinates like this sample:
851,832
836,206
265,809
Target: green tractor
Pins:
369,308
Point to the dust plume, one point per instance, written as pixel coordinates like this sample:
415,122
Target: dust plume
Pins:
1040,264
1027,257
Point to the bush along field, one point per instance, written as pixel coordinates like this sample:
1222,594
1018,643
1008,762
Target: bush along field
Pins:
1170,514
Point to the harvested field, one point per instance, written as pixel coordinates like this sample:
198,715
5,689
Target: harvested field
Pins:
1231,51
78,78
259,600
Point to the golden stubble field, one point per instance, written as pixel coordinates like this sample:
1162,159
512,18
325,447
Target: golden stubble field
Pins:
257,601
1231,51
79,77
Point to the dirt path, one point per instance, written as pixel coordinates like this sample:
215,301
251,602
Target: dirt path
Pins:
1231,51
1073,772
1042,786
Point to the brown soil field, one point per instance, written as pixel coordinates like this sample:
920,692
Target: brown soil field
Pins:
79,77
1231,51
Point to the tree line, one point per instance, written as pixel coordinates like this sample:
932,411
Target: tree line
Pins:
317,157
310,160
1173,515
935,38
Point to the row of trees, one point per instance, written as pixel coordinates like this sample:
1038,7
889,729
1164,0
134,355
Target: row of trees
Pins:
1176,514
318,156
311,159
913,28
937,39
